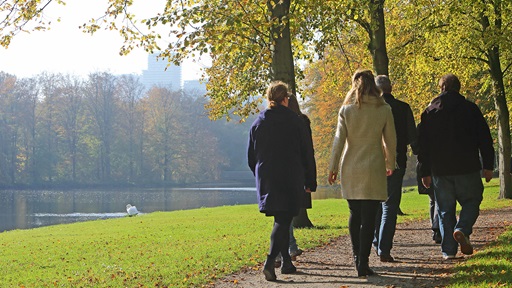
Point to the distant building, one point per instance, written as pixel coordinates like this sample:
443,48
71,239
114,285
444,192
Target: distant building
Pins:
158,75
194,88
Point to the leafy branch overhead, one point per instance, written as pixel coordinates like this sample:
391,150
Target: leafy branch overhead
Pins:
22,16
241,37
234,34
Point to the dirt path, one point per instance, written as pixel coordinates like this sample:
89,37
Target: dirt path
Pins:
419,260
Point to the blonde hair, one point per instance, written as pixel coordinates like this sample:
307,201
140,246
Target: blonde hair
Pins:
363,83
276,93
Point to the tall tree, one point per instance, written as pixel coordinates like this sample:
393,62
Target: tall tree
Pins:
51,88
131,91
70,109
101,99
27,98
161,105
18,104
10,128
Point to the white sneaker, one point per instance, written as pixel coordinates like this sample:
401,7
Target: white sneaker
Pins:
448,257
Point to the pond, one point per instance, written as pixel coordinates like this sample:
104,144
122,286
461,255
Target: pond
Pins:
25,209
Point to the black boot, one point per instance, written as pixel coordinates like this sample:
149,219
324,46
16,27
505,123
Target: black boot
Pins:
288,267
436,236
363,269
269,270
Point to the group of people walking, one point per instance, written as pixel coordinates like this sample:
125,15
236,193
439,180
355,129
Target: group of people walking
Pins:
369,156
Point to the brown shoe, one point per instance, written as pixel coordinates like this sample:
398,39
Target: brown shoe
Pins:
294,254
386,258
277,263
465,245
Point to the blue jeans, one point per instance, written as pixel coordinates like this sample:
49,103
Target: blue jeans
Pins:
434,219
467,190
293,242
385,223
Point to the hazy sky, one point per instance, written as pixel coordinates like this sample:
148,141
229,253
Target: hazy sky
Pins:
66,49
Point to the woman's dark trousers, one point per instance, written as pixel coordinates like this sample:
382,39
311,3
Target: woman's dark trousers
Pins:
361,225
280,237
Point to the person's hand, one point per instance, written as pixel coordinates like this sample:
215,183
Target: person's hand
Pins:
488,175
332,177
389,172
308,190
427,181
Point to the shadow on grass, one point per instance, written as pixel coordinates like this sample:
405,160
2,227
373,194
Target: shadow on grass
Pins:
327,227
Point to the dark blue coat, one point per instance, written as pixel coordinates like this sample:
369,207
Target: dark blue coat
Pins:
280,154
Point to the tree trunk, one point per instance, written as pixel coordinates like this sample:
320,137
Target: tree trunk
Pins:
282,57
302,220
377,44
500,103
502,115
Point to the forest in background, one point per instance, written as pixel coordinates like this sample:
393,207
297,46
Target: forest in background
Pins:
109,130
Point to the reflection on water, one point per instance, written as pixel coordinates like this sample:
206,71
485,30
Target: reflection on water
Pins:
24,209
83,215
221,189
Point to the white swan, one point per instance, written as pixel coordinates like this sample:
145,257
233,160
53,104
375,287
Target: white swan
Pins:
132,210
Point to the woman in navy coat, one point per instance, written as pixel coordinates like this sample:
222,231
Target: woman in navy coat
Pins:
281,157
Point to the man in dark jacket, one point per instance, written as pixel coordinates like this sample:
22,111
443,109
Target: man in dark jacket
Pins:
280,154
453,134
405,127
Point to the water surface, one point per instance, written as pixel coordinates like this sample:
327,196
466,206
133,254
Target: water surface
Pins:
25,209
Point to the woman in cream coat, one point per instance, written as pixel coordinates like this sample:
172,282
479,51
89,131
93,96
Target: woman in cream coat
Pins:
365,144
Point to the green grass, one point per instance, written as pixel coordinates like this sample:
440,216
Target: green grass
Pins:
187,248
491,267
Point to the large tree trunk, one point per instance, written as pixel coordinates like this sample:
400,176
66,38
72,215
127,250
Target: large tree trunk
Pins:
377,44
500,102
283,65
282,58
502,115
302,220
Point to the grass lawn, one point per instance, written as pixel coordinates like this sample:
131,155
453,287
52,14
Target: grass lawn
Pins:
180,248
491,267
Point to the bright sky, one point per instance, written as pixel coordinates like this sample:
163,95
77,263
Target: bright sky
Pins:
65,49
